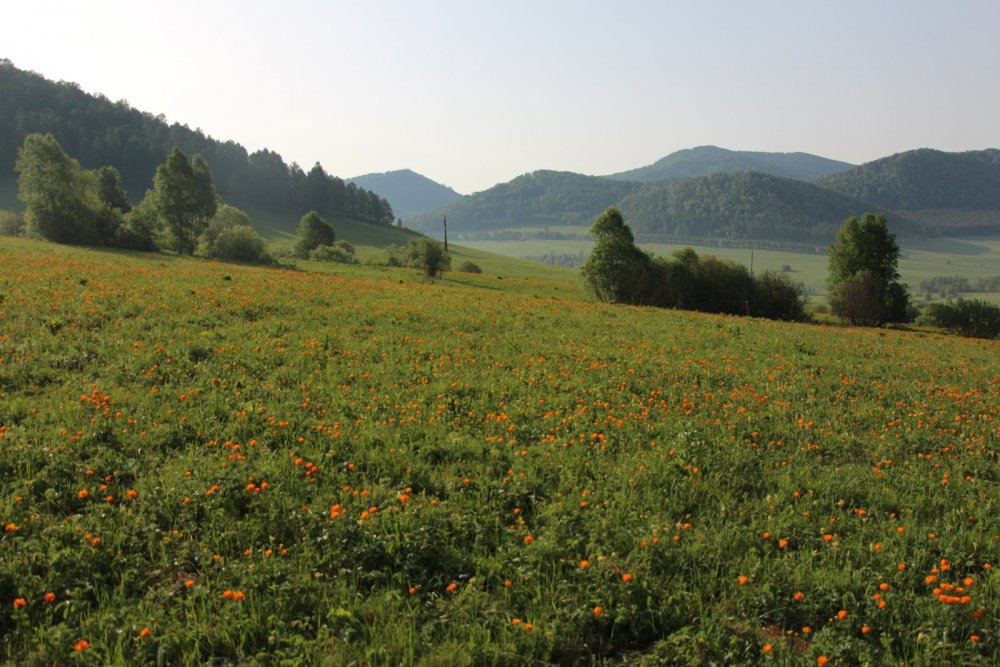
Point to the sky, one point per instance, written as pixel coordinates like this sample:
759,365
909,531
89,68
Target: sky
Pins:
473,93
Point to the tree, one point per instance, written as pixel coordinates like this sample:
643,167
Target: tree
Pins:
314,231
863,281
427,254
111,189
616,270
60,197
184,198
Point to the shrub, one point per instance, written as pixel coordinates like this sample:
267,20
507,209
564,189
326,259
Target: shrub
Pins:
776,297
973,318
314,231
11,224
341,252
427,254
469,267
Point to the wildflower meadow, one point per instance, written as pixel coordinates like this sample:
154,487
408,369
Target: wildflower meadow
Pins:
204,463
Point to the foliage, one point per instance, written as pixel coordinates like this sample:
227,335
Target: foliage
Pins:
60,197
184,198
532,200
314,232
11,223
427,255
616,270
230,236
743,205
340,252
100,132
210,464
469,267
924,179
864,287
111,190
973,317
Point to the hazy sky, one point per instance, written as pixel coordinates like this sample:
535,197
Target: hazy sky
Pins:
473,93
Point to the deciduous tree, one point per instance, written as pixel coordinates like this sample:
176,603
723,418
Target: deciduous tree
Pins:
864,287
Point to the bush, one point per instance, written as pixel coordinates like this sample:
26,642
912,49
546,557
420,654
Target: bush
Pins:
314,232
11,224
469,267
427,254
341,252
240,244
972,318
776,297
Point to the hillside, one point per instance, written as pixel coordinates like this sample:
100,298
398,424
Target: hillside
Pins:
953,193
408,192
208,463
99,132
706,160
742,205
538,199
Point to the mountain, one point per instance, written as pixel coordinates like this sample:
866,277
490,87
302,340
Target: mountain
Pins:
947,193
538,199
706,160
408,192
924,179
98,132
743,205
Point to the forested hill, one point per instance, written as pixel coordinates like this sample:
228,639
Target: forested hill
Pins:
408,192
537,199
743,205
99,132
706,160
925,179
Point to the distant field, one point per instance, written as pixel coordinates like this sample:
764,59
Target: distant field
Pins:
971,258
208,463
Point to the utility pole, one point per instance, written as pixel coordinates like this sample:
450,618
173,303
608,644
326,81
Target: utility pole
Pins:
445,218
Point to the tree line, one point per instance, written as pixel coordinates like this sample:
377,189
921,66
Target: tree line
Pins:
864,287
100,132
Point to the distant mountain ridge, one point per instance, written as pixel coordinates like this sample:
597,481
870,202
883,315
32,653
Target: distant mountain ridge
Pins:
538,199
707,160
408,192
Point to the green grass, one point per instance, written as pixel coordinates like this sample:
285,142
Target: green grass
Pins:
973,257
206,463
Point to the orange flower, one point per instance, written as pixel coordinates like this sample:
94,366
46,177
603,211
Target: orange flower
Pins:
799,596
10,527
598,611
822,660
452,587
584,564
742,579
782,544
20,603
81,645
626,577
842,614
145,632
865,629
49,597
82,493
883,586
528,539
189,583
767,648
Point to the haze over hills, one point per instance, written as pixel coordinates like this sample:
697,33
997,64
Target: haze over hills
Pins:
408,192
539,199
747,195
707,160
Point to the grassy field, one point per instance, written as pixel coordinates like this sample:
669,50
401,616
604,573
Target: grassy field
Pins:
972,258
205,463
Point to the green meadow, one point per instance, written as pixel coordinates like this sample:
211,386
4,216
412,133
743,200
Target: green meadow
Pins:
207,463
921,259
